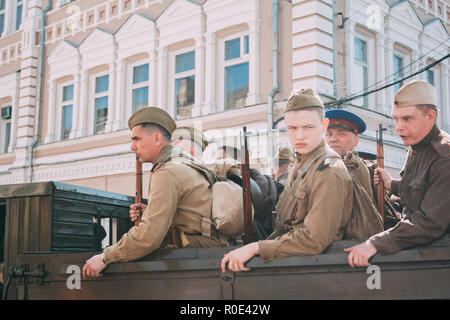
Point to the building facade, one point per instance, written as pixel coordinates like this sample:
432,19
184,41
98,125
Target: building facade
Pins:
70,81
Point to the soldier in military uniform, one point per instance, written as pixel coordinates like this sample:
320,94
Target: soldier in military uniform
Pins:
424,183
190,140
284,158
187,139
316,203
343,137
179,213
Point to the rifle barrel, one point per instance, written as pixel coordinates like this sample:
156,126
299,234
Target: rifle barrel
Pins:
138,198
246,189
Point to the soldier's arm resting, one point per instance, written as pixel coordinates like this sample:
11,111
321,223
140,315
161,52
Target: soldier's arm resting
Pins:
426,224
156,220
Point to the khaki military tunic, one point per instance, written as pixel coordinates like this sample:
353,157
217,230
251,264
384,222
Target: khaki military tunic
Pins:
179,195
314,207
358,168
424,187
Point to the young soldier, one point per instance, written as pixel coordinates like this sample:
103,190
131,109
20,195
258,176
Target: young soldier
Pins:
179,212
424,183
317,201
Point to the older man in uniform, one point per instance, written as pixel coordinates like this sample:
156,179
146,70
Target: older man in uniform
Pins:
179,212
316,203
343,137
424,183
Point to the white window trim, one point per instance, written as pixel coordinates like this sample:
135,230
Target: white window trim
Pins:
244,57
16,4
130,86
5,19
3,131
93,96
59,105
173,77
370,60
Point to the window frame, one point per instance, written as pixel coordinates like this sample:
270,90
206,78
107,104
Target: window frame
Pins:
4,12
93,97
130,86
395,76
18,3
223,64
174,76
4,149
59,108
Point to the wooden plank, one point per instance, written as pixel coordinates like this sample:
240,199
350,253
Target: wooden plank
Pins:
72,228
72,241
45,224
63,216
35,226
26,239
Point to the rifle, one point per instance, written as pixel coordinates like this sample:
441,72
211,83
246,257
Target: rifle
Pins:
246,191
380,164
138,198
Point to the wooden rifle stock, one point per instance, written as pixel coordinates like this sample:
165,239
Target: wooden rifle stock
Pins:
138,198
380,164
246,190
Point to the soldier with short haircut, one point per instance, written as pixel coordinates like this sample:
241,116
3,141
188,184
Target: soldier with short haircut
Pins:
284,158
316,203
425,178
179,213
190,140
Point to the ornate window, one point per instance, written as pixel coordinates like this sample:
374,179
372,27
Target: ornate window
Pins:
361,80
183,83
100,86
139,85
66,105
235,71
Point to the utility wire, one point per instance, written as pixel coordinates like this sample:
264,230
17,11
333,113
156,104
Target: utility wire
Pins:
409,65
343,101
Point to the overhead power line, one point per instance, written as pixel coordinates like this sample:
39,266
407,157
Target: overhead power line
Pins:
345,100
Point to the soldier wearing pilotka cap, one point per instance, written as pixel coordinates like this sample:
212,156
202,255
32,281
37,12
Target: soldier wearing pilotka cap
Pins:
179,213
190,140
424,186
316,203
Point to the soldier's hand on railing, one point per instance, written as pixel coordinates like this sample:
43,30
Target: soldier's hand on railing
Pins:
136,211
379,174
94,266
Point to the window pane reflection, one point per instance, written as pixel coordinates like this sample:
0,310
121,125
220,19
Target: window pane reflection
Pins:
101,83
66,121
140,73
184,96
236,85
101,114
140,98
232,49
185,62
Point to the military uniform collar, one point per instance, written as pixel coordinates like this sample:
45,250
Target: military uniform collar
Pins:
163,157
434,132
317,151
